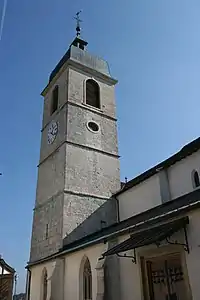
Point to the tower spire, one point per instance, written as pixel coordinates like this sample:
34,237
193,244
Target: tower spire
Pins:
78,27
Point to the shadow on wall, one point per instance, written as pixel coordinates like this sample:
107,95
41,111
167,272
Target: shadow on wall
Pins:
107,276
106,215
112,276
57,281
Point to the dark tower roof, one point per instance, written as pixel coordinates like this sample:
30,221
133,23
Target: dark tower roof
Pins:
78,53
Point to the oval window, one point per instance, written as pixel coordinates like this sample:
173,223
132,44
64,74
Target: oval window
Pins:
93,126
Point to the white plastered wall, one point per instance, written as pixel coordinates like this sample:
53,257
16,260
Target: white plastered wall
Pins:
36,279
64,283
193,258
179,175
72,271
139,198
129,276
146,195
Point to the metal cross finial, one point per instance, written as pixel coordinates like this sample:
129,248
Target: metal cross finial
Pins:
78,20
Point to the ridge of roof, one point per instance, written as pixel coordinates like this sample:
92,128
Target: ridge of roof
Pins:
185,151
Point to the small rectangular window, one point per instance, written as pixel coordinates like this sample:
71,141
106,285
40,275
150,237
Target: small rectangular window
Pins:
54,103
47,231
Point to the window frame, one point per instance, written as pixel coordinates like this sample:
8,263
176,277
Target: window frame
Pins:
47,231
54,107
195,180
85,279
85,94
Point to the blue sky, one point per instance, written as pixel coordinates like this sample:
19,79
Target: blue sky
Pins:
153,48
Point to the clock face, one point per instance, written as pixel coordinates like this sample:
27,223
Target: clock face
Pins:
52,132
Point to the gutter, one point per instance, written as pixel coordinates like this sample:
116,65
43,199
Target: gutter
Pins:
119,232
128,228
117,208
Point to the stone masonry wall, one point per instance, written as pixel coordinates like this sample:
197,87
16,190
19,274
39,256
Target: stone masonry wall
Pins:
51,176
77,91
102,217
50,213
90,172
62,82
77,131
80,170
76,210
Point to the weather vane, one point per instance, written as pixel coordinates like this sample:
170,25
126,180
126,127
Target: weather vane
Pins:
78,20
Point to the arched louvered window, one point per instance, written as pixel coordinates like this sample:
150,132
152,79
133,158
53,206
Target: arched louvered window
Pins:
44,285
54,100
92,93
87,281
195,179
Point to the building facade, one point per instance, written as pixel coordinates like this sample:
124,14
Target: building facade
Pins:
79,167
94,238
6,280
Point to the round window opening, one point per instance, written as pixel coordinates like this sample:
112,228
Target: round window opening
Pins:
93,126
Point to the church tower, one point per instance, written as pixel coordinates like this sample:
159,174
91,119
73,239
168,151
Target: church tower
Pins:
79,166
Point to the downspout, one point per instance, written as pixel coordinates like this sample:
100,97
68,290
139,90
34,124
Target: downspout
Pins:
117,208
123,185
115,291
28,283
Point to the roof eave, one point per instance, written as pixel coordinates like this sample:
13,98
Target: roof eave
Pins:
173,213
79,66
186,151
7,267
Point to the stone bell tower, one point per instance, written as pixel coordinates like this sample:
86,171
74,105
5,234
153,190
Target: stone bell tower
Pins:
79,166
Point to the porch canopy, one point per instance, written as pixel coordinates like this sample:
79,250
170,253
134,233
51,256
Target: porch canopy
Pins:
149,235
